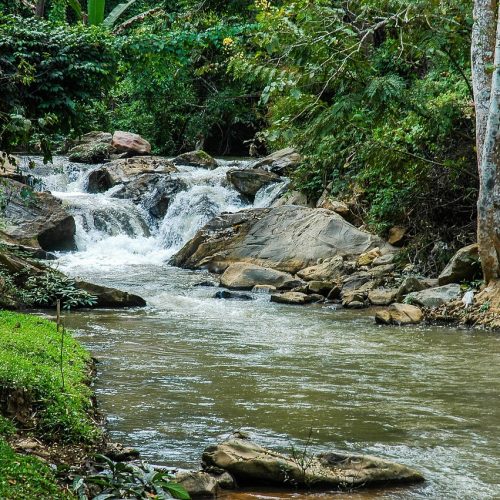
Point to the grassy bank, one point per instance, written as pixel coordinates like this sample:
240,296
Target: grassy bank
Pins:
44,395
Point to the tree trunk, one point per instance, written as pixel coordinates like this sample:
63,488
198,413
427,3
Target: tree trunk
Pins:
482,52
485,53
40,8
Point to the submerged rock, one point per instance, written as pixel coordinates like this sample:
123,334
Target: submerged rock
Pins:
464,266
196,159
248,181
399,314
111,297
288,238
251,464
36,220
244,276
224,294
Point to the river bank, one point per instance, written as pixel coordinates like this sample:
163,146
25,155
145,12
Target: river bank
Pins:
46,407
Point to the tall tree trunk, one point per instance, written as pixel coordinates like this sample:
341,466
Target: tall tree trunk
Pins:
489,155
482,52
40,8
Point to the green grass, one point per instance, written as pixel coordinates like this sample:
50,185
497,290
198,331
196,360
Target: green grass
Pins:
30,360
30,350
23,477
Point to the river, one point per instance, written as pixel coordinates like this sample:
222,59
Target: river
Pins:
189,369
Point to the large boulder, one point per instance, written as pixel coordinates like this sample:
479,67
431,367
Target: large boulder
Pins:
249,182
280,162
435,297
399,314
251,464
132,144
243,276
124,170
111,297
196,159
288,238
36,220
464,266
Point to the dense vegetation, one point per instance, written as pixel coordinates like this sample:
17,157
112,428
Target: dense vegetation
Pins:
376,94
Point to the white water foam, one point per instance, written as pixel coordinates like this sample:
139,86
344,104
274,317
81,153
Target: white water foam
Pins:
116,232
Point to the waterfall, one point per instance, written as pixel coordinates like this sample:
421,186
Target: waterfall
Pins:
114,231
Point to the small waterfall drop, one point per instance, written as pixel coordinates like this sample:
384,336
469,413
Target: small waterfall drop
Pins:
113,231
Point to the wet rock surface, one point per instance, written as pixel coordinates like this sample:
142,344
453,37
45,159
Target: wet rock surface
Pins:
249,181
251,464
196,159
245,276
35,219
287,238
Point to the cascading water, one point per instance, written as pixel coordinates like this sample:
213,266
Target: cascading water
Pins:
114,231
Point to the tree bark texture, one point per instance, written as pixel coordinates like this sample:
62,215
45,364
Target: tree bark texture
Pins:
489,156
482,52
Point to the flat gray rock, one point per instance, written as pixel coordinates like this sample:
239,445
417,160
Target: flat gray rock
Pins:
287,238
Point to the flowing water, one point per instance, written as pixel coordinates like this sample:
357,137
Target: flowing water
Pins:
189,369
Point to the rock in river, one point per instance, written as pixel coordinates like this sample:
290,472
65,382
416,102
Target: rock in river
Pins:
244,276
287,238
36,220
251,464
111,297
196,159
132,144
399,314
280,162
249,182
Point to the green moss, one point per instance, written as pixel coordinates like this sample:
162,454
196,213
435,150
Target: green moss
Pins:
23,477
30,350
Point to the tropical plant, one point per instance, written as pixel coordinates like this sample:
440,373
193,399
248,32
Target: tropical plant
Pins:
45,289
120,480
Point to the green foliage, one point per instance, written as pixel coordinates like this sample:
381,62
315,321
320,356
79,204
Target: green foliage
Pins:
45,289
120,480
174,88
378,98
95,11
48,70
30,350
23,477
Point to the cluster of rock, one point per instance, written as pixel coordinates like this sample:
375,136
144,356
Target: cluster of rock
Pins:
303,255
239,462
